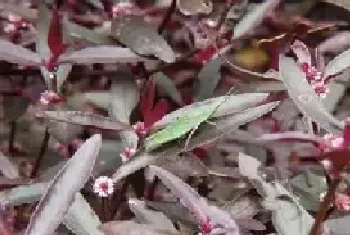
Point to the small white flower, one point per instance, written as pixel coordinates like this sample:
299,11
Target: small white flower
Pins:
321,196
14,18
103,186
127,154
10,28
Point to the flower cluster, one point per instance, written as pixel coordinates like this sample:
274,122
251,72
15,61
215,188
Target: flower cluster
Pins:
49,97
127,154
342,201
15,23
315,78
139,128
122,8
313,75
103,186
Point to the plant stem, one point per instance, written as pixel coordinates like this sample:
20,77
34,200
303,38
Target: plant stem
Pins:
327,200
224,14
41,153
167,17
12,137
104,209
119,198
152,189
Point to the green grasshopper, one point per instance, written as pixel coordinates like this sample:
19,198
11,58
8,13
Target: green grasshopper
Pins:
189,122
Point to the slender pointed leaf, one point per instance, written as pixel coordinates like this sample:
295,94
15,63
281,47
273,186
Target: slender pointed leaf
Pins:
338,64
19,9
288,217
253,18
194,202
302,52
42,47
85,119
23,194
82,33
100,54
147,216
62,74
8,168
17,54
207,80
130,227
142,38
305,97
184,165
166,85
124,96
61,191
194,7
81,218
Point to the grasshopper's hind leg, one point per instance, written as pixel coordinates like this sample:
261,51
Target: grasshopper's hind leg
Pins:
189,138
214,124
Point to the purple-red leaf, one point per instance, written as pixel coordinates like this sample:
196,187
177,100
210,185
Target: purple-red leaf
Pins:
159,110
55,36
147,98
